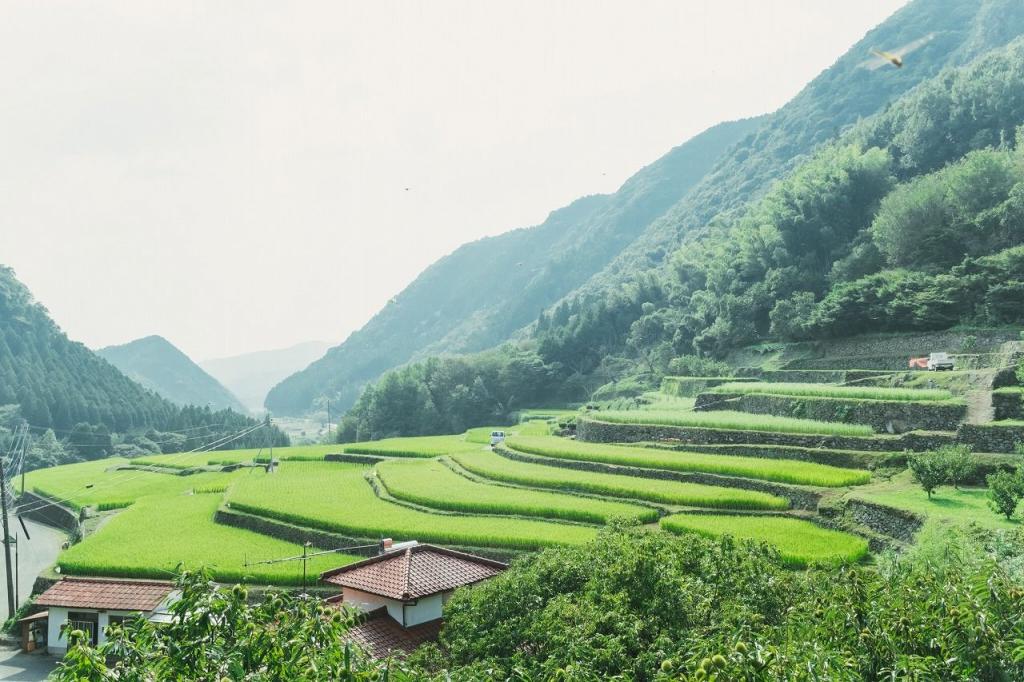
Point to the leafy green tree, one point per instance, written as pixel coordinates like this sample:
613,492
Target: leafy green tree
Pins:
1005,490
216,634
929,469
959,462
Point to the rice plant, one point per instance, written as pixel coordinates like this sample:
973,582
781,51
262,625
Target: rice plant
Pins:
734,421
800,543
432,484
337,497
422,446
492,466
828,391
781,470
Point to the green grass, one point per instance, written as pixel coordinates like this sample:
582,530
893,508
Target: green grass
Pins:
151,537
420,446
781,470
432,484
97,482
492,466
800,543
947,505
1018,390
733,421
828,391
336,497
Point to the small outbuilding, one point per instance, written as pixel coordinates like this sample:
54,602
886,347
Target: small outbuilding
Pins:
401,593
91,604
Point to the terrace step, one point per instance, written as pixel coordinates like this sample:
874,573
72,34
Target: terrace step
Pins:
595,431
853,459
800,497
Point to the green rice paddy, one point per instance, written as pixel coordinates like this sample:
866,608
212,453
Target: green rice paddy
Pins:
337,497
154,535
829,391
733,421
800,543
780,470
422,446
432,484
497,468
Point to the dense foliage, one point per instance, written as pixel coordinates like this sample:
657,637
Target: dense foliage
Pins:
645,606
215,634
90,408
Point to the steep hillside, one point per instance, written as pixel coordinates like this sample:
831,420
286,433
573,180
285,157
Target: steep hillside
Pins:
251,376
954,33
59,382
95,410
477,296
160,366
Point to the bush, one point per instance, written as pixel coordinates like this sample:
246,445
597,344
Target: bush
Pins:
1005,490
929,469
695,366
960,463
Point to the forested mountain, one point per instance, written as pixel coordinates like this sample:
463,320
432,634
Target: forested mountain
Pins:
479,295
90,408
160,366
909,219
250,376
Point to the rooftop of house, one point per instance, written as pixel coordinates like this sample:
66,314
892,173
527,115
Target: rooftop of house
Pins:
106,593
414,572
381,635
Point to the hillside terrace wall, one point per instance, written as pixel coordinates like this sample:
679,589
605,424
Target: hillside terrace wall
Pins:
1008,404
51,513
688,387
592,430
841,458
991,437
884,416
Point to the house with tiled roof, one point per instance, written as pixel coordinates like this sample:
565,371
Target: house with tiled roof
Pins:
401,593
91,604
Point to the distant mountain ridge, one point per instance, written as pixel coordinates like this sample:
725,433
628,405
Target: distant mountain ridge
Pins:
250,376
160,366
484,291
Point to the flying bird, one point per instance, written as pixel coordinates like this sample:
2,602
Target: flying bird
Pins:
895,59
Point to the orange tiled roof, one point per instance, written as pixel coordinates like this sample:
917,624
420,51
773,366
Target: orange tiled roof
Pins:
381,636
106,593
414,572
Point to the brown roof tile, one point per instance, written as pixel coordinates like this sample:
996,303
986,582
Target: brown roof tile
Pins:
381,636
106,593
415,572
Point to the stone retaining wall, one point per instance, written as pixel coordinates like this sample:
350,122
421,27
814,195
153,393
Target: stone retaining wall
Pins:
1008,404
884,416
799,498
290,532
896,523
52,514
990,437
592,430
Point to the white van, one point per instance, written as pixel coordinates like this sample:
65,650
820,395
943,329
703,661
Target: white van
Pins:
497,437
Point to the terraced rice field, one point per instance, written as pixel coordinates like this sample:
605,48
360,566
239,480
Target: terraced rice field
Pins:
100,482
189,460
733,421
423,446
780,470
492,466
151,537
828,391
800,543
336,497
432,484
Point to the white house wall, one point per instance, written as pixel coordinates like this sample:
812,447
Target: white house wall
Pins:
424,610
57,642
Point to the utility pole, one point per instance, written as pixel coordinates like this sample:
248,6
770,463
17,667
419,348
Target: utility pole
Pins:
11,607
328,415
305,558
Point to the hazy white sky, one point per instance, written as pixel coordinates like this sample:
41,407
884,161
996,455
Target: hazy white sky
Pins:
231,175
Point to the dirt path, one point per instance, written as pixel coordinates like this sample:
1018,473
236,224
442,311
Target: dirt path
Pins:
979,406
